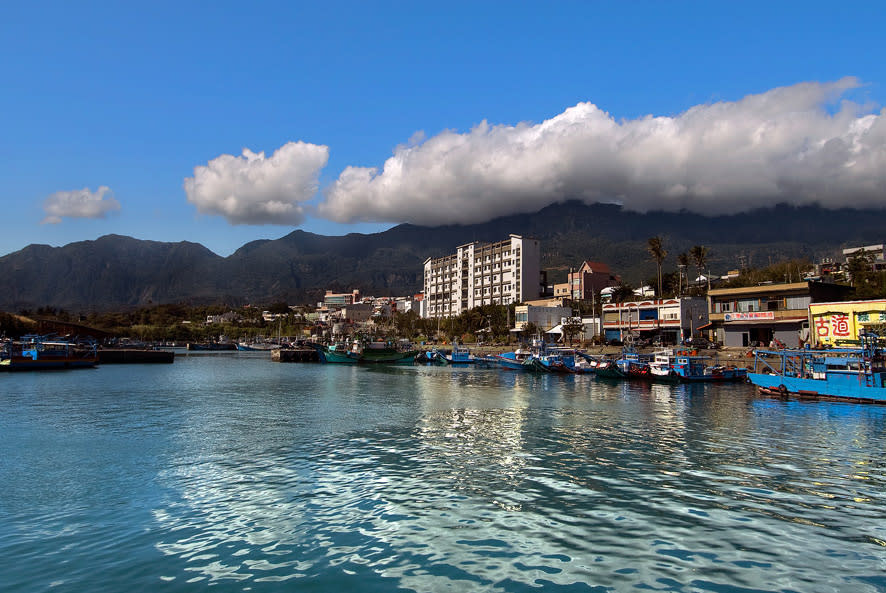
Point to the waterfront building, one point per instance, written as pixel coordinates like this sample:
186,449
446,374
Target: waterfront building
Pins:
543,317
758,315
482,274
841,323
673,320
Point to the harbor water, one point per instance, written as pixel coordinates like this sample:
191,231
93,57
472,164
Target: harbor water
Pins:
229,471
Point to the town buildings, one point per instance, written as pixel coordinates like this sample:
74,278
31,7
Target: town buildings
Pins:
332,300
875,254
672,320
482,274
542,317
841,323
759,315
590,278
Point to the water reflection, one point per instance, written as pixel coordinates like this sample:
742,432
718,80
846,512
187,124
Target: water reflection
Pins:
243,474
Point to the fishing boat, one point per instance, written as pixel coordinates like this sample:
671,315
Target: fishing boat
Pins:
855,374
552,360
256,346
459,355
512,360
688,366
365,352
43,352
631,364
609,369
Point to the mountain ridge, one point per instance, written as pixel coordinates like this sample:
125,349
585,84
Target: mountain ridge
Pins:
116,271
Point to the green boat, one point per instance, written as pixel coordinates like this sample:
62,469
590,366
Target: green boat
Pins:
368,352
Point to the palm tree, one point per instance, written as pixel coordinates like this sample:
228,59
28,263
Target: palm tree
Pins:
655,246
682,263
699,255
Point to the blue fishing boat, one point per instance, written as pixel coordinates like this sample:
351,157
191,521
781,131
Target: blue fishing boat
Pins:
459,355
856,374
513,360
687,366
552,360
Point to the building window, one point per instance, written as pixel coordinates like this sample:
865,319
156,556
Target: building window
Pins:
723,307
798,302
748,305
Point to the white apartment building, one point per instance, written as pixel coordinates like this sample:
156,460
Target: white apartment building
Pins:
482,274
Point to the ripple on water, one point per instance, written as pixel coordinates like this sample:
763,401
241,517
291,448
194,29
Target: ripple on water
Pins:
438,480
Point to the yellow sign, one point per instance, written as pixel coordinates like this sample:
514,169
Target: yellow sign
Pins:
840,323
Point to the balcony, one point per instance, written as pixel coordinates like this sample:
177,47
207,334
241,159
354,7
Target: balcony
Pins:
760,316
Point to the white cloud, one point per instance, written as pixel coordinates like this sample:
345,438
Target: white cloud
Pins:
79,203
784,145
253,189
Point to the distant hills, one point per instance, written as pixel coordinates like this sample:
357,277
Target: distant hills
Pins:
115,272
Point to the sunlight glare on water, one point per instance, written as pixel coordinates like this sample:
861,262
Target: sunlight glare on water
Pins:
244,474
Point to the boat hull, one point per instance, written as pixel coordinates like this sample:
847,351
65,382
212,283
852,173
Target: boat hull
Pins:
367,356
609,371
838,388
25,364
510,362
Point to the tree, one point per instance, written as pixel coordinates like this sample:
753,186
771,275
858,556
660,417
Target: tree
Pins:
622,292
655,246
572,328
699,254
530,330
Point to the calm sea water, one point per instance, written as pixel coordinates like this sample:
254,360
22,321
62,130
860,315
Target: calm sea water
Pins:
233,472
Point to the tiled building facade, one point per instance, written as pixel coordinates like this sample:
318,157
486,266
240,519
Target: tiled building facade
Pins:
482,274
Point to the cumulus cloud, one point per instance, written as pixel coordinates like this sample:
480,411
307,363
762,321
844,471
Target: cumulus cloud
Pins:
794,144
79,203
254,189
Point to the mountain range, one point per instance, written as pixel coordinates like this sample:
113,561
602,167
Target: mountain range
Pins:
115,272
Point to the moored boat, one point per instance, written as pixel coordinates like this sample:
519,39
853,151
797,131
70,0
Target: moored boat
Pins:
552,360
513,360
41,352
608,370
856,374
687,366
460,355
365,352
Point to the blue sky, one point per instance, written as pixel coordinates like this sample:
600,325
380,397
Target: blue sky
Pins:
375,113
